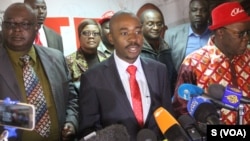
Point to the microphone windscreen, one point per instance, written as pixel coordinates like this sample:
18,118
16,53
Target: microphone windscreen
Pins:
186,121
186,91
169,127
207,113
115,132
229,95
146,135
193,104
164,119
216,91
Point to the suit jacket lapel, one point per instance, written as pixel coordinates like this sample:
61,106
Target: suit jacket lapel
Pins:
150,75
7,71
45,59
50,39
116,84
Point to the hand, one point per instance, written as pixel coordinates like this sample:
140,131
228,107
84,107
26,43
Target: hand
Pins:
4,135
8,101
68,132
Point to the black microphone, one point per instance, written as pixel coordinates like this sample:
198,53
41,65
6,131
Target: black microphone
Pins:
203,110
146,135
115,132
189,125
169,127
229,94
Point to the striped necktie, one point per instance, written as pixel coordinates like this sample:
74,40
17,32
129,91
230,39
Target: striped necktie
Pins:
36,97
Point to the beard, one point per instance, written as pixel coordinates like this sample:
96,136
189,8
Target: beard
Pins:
199,25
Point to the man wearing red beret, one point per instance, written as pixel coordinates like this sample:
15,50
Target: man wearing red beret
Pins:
105,46
224,60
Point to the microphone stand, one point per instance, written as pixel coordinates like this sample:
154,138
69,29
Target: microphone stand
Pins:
240,114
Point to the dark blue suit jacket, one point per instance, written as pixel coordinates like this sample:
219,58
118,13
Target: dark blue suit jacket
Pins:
103,101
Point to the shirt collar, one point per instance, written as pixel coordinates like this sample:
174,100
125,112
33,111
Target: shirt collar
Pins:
123,64
191,32
14,56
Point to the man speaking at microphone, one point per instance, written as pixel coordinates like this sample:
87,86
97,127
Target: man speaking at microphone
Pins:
224,60
126,88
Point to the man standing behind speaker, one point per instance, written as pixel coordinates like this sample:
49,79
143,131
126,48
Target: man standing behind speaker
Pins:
154,46
188,37
105,46
48,37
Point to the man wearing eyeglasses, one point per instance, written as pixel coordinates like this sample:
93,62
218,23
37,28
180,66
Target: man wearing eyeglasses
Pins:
55,89
154,46
224,60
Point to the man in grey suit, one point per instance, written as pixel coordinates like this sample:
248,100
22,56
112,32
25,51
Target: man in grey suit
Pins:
184,39
19,28
48,36
105,96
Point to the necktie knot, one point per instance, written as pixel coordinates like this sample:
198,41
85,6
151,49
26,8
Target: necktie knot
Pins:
131,69
37,39
25,59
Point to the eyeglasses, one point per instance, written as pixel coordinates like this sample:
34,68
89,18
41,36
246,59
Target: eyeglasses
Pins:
240,34
13,25
152,24
89,33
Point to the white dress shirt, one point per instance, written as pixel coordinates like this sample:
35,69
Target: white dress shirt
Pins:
141,79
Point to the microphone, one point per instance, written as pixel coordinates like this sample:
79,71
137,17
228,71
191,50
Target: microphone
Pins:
203,110
186,91
189,125
229,95
146,135
169,127
113,132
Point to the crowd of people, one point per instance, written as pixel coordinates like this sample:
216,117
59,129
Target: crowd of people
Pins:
127,65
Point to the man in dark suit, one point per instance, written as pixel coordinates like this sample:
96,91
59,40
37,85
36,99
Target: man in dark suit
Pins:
105,94
19,28
48,36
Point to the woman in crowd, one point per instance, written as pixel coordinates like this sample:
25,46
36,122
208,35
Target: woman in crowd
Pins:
87,55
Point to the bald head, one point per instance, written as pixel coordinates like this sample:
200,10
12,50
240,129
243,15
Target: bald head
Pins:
20,7
150,13
33,1
118,16
19,27
126,35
